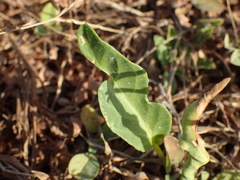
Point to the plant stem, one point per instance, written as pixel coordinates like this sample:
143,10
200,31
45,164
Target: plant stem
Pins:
158,150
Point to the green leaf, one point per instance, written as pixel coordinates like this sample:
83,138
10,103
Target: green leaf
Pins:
88,116
208,5
202,34
204,175
213,21
84,166
171,33
158,40
235,57
233,175
107,132
59,28
123,98
172,177
40,30
227,43
93,149
190,140
48,12
164,53
205,64
166,78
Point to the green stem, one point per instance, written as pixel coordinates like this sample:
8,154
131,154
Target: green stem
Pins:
158,150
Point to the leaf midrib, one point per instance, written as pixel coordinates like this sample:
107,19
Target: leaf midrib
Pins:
143,125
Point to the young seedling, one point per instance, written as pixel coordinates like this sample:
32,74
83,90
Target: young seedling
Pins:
190,141
123,98
235,57
48,12
128,113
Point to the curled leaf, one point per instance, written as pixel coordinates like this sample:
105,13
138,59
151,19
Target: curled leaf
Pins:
190,141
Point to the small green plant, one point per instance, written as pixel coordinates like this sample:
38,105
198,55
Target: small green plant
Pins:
129,114
48,12
190,141
204,29
235,57
172,50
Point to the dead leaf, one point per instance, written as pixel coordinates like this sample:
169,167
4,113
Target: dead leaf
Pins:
40,175
204,101
175,152
209,5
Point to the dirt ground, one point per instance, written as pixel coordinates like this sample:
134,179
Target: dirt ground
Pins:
45,82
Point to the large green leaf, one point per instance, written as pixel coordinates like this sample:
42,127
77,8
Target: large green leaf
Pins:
123,98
